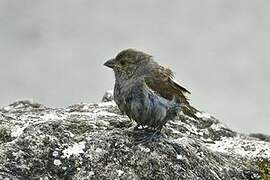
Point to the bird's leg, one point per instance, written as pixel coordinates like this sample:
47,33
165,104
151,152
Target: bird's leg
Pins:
151,138
150,135
157,131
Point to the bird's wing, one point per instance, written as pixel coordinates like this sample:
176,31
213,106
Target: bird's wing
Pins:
160,81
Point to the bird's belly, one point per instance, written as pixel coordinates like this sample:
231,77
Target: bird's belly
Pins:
148,113
119,99
144,107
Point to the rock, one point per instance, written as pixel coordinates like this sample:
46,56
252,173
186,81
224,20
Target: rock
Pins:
94,141
108,96
260,136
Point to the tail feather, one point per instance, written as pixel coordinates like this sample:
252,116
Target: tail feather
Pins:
190,111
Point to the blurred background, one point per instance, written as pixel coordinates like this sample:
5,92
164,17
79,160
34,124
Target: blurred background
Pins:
53,51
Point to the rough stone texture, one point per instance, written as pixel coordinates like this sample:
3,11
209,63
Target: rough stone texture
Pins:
94,141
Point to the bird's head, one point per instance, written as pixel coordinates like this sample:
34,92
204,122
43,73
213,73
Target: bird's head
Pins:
129,63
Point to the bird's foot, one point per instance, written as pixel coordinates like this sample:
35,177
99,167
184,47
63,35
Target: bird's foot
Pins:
148,136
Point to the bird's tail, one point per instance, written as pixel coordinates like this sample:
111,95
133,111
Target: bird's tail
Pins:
189,111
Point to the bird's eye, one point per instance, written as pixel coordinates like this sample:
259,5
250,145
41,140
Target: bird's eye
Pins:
123,63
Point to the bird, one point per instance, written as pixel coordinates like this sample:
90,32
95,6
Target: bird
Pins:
145,91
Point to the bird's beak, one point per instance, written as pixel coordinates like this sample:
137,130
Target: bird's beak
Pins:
109,63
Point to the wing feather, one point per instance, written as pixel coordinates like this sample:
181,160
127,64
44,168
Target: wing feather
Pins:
160,81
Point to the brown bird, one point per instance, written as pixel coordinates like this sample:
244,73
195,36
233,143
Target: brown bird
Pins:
145,91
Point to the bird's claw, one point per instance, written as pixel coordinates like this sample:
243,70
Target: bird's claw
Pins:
148,136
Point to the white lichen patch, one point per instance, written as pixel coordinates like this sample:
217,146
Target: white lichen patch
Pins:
241,146
203,115
98,150
191,128
86,107
200,154
174,131
7,108
55,153
120,172
106,104
96,114
103,123
145,149
179,156
184,141
217,126
17,131
104,113
91,173
50,117
76,149
57,162
208,140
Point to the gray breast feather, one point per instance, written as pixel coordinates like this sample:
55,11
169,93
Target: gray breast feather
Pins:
147,108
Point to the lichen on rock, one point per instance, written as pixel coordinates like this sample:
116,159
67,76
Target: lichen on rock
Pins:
95,141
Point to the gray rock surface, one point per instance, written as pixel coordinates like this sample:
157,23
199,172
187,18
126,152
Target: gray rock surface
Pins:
94,141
